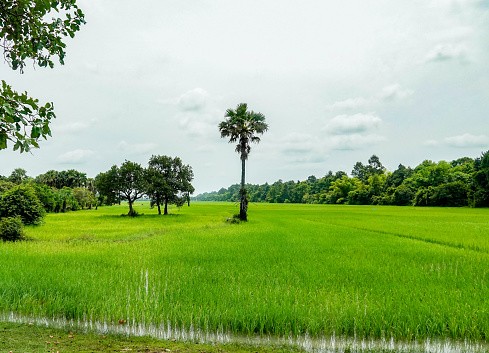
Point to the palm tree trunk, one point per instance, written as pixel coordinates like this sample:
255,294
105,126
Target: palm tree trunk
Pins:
243,206
242,173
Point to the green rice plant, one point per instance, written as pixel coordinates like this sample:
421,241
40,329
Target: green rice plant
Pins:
374,272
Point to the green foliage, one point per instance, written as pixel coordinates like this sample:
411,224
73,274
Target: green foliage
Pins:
46,195
126,182
462,182
108,186
26,33
403,196
22,201
18,176
70,178
479,194
168,181
84,197
5,185
22,120
65,200
11,229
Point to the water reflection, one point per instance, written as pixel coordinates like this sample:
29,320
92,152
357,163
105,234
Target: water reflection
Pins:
332,344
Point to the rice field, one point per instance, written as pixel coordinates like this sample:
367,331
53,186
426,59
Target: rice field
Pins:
355,271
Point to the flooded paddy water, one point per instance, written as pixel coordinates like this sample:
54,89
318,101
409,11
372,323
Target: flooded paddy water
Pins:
330,344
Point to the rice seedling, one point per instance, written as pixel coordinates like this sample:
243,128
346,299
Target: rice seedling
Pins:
363,271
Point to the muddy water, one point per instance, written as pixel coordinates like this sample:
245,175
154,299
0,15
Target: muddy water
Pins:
332,344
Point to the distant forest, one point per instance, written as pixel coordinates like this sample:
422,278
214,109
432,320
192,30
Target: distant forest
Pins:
461,182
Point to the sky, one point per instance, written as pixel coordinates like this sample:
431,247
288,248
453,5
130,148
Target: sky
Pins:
337,81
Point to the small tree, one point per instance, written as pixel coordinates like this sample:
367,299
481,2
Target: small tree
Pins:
132,185
22,201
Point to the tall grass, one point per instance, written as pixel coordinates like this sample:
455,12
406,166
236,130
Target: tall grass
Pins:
407,273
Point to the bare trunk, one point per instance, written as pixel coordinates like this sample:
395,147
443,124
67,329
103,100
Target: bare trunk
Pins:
166,206
243,206
130,208
159,209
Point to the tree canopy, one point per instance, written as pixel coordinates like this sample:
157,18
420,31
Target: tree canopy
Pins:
168,181
26,33
462,182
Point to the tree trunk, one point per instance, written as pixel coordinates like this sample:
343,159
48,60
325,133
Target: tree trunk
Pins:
242,173
130,208
243,206
188,199
159,209
166,207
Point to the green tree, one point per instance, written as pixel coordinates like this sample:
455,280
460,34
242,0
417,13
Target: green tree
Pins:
26,33
84,197
242,125
479,194
18,176
132,184
168,181
107,185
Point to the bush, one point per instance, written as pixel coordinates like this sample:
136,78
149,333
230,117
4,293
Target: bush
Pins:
11,229
22,201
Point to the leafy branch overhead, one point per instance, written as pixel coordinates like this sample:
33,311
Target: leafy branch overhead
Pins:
22,119
26,33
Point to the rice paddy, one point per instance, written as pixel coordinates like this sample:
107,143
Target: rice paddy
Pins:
368,272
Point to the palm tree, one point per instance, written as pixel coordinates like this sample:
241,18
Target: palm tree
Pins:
241,125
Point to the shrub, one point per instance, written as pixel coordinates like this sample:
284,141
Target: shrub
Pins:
11,229
22,201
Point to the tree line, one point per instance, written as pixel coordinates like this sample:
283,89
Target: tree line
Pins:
461,182
25,199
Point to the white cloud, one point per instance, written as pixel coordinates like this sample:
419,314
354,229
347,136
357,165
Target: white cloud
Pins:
467,140
354,141
352,124
139,148
447,52
395,92
195,99
78,156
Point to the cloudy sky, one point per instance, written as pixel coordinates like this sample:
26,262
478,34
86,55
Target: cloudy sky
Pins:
337,82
